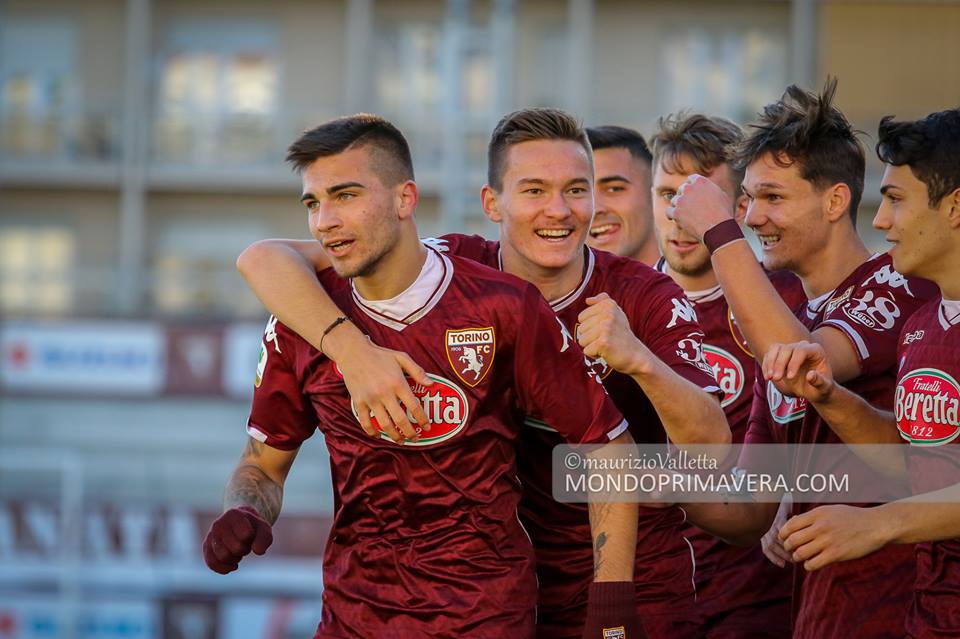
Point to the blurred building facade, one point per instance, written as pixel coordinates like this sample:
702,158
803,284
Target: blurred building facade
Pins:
141,147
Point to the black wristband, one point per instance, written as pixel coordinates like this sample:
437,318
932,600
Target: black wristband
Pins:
719,235
337,322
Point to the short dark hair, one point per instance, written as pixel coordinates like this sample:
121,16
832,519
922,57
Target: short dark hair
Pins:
806,129
708,141
619,137
929,146
394,164
527,125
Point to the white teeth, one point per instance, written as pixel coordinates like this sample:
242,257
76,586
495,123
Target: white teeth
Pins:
553,232
768,240
599,230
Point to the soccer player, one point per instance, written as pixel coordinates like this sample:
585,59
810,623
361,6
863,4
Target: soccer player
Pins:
920,213
739,591
425,539
803,180
634,323
623,223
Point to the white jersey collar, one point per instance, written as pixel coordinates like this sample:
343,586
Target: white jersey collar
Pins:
418,298
949,313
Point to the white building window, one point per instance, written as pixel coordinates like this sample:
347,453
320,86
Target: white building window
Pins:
218,94
36,269
731,72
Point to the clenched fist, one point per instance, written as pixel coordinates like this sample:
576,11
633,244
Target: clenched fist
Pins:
232,536
605,332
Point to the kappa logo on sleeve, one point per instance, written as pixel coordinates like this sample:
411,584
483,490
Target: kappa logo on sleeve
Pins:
270,333
565,334
889,277
470,352
436,243
682,310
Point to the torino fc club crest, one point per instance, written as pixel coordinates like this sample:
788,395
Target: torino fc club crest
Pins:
470,352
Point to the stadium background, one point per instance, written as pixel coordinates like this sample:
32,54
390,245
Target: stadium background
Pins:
140,150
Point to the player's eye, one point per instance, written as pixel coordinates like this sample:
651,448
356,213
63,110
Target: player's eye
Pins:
312,205
615,189
667,195
577,190
343,196
773,197
533,191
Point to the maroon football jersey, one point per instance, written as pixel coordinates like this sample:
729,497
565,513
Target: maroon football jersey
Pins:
425,539
927,409
867,597
740,592
663,318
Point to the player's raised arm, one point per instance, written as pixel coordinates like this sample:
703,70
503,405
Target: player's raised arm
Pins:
251,506
690,415
282,274
702,209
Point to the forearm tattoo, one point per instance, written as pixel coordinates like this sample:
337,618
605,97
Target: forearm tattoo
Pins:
250,486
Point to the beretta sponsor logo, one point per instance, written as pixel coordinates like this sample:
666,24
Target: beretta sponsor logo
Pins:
927,407
784,409
727,370
470,352
445,405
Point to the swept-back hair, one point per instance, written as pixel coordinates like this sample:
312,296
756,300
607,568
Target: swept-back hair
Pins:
806,129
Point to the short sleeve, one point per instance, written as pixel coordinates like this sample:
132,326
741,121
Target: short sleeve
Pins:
672,333
873,315
554,382
281,416
471,247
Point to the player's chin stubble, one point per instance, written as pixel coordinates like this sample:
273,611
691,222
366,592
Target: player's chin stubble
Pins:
692,269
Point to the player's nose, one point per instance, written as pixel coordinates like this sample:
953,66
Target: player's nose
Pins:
755,216
557,207
324,219
882,221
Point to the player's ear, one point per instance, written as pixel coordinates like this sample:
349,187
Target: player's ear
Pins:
837,200
740,209
952,205
491,208
407,197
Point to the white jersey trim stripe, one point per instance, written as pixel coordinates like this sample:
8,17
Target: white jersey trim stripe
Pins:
257,434
619,430
852,334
